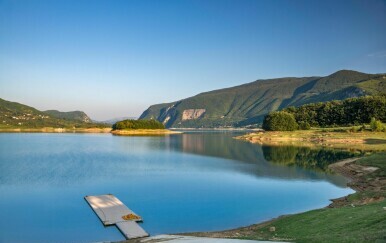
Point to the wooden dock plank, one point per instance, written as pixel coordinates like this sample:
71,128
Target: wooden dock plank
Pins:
111,210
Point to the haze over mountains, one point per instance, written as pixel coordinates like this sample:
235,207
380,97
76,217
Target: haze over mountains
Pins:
114,120
248,104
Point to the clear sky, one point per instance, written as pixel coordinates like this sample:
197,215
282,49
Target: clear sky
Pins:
116,58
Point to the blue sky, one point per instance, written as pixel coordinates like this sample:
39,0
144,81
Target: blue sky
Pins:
115,58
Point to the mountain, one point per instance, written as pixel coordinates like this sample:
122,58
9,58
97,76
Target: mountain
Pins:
16,115
248,103
117,119
70,115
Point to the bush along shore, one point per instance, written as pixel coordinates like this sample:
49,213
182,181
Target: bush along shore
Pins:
140,127
349,112
353,123
341,137
359,217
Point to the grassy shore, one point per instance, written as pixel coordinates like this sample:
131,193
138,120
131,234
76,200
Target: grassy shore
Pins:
359,217
125,132
334,137
144,132
57,130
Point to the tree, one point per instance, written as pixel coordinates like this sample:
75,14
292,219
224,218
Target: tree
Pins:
348,112
280,121
303,125
376,125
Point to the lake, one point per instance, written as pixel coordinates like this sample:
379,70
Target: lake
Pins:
197,181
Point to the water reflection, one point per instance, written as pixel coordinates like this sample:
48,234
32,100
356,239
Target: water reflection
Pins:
179,183
267,161
305,157
74,159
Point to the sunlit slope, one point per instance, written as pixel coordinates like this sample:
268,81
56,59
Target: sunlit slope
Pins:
247,104
70,115
16,115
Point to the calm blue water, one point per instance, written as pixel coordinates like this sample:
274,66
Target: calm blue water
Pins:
181,183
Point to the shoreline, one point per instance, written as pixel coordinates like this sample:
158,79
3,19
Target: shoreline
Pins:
347,168
56,130
218,129
137,132
144,132
375,141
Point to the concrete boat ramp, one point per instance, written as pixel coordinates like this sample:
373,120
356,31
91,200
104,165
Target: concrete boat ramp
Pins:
111,210
189,239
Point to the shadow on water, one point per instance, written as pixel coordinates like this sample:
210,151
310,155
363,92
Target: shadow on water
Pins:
286,162
73,159
375,141
305,157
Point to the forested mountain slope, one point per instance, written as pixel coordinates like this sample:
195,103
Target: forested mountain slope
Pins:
249,103
16,115
70,115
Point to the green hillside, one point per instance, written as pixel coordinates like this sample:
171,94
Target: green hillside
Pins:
16,115
70,115
249,103
348,112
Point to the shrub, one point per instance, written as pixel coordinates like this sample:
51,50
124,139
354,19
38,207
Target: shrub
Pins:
304,125
376,125
357,129
280,121
354,129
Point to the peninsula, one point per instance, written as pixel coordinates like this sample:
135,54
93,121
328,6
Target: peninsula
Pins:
141,128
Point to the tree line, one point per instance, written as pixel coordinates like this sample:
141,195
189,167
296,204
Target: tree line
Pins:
138,124
310,158
348,112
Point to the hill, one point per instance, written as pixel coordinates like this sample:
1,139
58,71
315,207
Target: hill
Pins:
117,119
248,103
70,115
16,115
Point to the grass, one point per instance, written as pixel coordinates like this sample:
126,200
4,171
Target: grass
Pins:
365,223
376,160
373,86
360,223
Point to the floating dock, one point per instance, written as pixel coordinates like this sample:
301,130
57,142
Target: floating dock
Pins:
111,210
